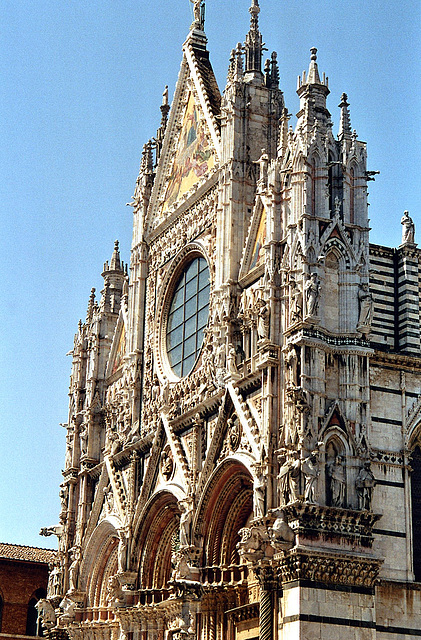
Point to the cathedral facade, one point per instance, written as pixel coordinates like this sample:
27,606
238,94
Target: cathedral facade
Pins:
243,452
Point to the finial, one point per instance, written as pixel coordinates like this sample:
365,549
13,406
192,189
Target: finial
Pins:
115,264
345,121
91,304
313,72
254,43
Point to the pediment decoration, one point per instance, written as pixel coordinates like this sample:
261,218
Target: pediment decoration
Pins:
335,232
191,147
253,261
118,347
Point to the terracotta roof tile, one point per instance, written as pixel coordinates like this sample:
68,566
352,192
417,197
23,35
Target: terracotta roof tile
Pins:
28,554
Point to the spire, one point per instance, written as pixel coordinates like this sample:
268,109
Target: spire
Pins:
313,93
254,43
345,121
115,264
91,305
313,71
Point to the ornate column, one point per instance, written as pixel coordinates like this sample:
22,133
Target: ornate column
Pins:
267,582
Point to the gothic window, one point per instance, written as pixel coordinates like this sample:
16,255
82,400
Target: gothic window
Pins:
416,510
352,196
188,316
331,306
32,614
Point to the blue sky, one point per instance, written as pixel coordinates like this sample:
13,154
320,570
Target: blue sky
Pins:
81,85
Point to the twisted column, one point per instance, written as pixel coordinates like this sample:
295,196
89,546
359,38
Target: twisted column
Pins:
267,581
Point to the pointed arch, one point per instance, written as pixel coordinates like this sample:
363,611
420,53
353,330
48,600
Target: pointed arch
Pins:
153,545
225,507
100,561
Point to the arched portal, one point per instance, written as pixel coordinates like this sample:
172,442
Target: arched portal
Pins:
157,535
225,508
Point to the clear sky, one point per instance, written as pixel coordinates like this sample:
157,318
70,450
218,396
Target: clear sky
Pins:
81,84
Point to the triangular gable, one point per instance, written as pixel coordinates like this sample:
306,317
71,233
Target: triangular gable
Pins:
253,261
118,347
191,148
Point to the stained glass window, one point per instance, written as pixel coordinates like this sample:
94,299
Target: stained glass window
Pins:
188,316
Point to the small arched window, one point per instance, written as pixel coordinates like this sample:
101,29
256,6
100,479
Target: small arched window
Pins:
416,511
32,626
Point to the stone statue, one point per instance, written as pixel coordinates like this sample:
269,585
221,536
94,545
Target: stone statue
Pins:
185,522
198,11
337,478
74,568
263,322
54,580
84,441
263,163
296,312
283,482
312,293
114,591
259,491
231,360
295,477
167,465
69,447
122,551
364,485
366,309
67,609
291,360
46,613
234,433
311,470
281,535
408,231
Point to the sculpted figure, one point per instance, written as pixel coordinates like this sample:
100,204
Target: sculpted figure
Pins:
337,478
197,10
74,568
408,230
115,592
167,465
185,522
295,477
364,485
122,551
231,360
54,580
67,608
263,322
291,360
311,470
366,309
283,482
296,312
281,534
259,491
46,613
312,292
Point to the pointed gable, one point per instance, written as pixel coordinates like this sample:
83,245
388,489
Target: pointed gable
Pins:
253,260
191,148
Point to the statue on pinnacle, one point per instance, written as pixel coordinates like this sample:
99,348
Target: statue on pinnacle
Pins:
198,13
